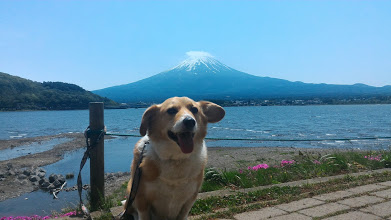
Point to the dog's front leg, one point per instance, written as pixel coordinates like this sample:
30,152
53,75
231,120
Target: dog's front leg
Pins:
143,208
144,215
186,208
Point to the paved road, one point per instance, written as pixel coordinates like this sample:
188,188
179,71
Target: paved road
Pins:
367,202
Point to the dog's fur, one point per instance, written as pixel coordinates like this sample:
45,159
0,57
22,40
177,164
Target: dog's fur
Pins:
175,158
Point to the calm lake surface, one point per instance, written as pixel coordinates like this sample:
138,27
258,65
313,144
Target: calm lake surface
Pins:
271,122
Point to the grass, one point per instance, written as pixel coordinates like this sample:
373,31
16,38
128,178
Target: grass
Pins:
305,166
213,203
108,202
227,206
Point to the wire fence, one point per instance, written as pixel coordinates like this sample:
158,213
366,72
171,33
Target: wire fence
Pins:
271,140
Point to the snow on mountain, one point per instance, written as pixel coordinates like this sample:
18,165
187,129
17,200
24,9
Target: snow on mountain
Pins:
201,60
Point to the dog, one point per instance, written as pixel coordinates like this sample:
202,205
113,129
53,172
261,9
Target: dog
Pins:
174,157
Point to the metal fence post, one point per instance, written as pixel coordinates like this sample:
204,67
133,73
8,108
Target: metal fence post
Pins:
97,167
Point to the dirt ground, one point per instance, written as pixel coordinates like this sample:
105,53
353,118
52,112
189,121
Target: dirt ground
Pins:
222,158
231,158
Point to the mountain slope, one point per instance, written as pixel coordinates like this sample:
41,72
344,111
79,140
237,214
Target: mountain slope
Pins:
21,94
203,77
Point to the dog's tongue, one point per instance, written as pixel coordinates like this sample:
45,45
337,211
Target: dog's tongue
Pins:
185,141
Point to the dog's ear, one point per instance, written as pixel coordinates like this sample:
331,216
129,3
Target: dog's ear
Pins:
147,119
213,112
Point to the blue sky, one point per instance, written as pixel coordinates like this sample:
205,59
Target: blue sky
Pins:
97,44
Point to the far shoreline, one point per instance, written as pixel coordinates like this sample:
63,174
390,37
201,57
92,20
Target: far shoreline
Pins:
225,106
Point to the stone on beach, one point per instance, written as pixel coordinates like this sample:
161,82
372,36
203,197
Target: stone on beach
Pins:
53,177
34,178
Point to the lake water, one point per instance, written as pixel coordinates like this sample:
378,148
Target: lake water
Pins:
271,122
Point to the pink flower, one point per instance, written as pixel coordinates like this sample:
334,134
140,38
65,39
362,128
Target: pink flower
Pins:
317,162
370,157
259,166
287,162
37,217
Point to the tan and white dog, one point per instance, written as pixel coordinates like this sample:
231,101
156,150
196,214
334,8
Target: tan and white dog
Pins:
175,158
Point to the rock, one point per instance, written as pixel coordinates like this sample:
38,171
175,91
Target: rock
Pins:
41,174
53,177
17,171
34,178
51,186
96,214
44,182
57,184
116,211
41,181
11,173
27,172
22,177
39,170
9,166
61,179
24,182
69,176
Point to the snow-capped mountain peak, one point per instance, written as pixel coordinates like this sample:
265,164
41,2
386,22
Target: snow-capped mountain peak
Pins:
201,59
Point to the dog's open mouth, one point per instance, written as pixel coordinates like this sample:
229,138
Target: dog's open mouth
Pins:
184,140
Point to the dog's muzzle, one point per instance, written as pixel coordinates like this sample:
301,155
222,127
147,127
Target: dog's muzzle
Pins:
184,138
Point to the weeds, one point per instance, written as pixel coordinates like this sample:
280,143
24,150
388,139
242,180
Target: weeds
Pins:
305,166
227,206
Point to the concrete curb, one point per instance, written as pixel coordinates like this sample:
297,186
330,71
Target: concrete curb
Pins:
226,192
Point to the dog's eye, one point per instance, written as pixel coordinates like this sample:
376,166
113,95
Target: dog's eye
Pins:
194,110
172,111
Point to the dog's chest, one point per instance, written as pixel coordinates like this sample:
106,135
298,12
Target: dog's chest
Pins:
174,187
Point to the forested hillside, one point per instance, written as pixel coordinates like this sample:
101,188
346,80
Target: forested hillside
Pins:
17,93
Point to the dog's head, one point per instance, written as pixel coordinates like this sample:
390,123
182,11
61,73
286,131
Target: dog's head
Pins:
180,122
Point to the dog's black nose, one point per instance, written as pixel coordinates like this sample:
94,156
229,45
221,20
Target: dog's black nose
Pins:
189,122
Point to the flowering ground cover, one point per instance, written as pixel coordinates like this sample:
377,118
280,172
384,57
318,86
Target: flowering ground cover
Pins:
303,167
37,217
225,207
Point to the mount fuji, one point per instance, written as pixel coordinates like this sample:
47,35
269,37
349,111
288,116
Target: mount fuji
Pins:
201,76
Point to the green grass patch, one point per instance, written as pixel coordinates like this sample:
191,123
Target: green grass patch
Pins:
110,201
213,203
305,166
212,207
